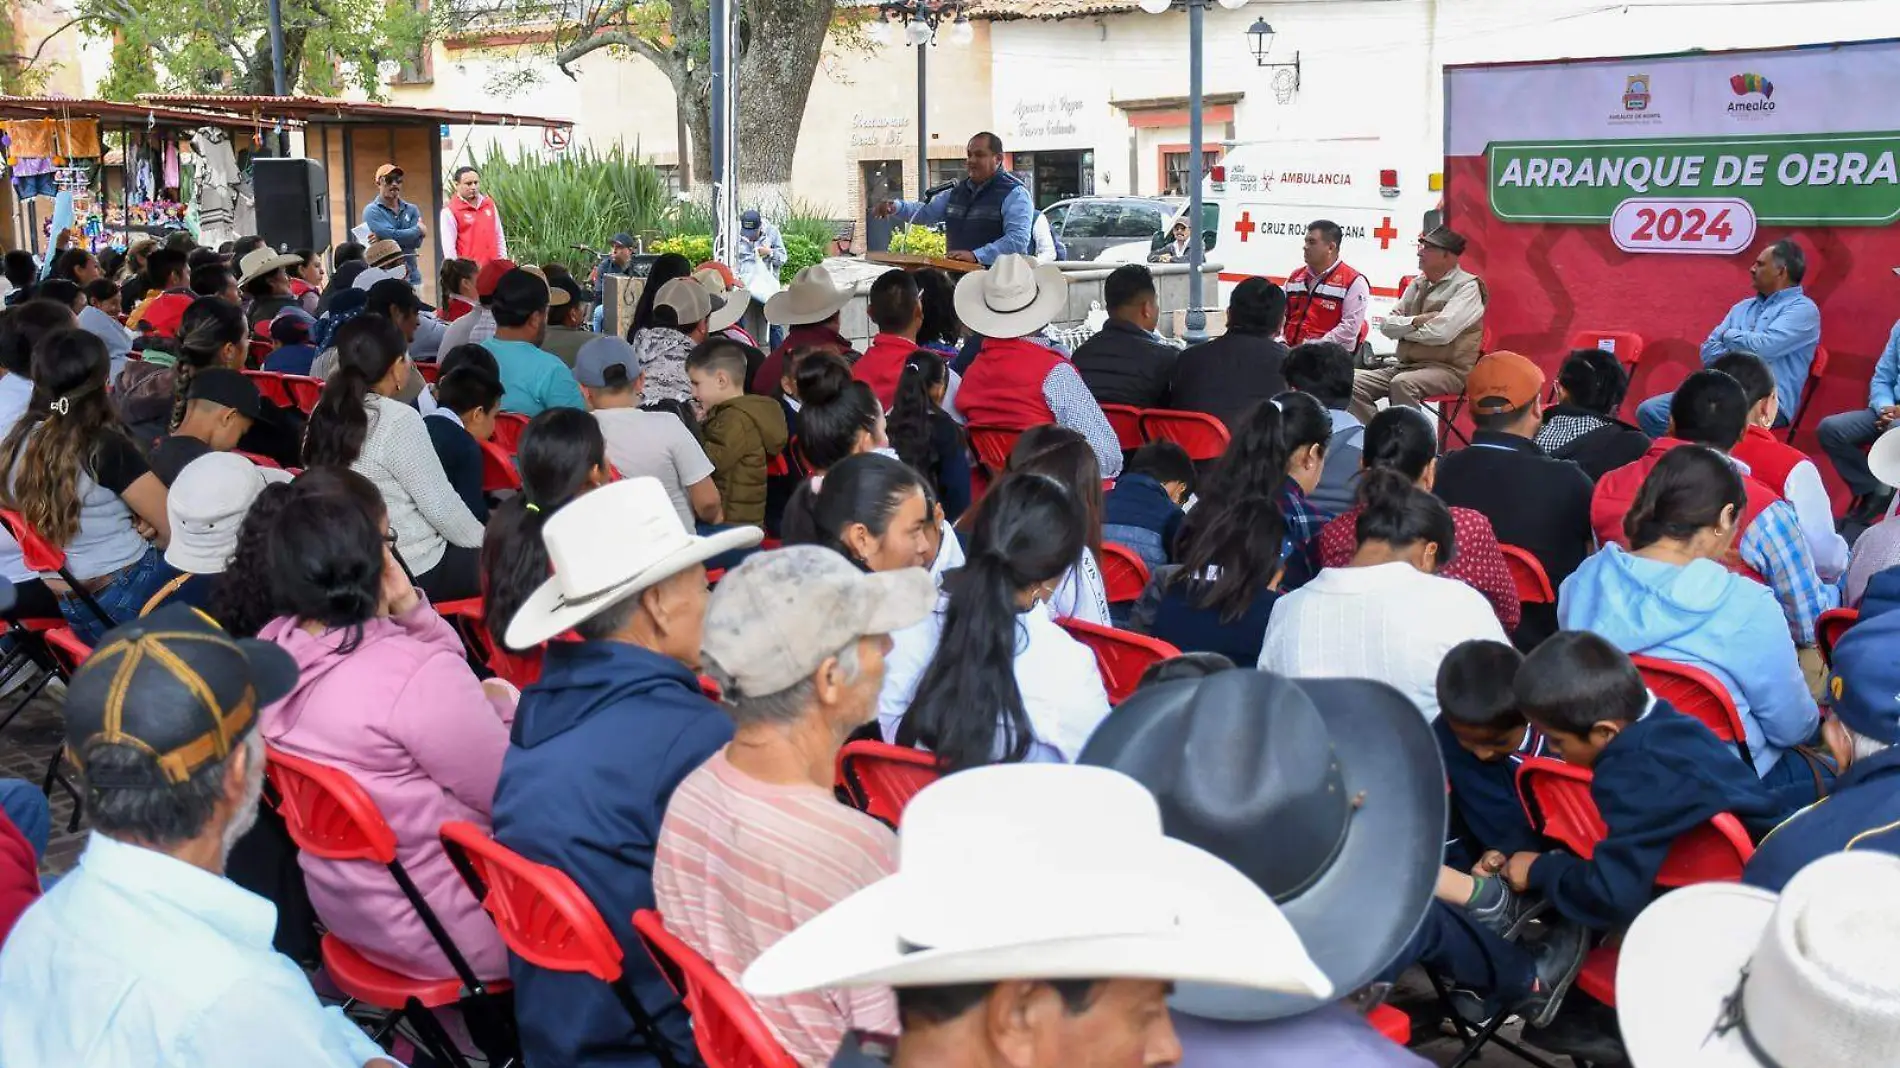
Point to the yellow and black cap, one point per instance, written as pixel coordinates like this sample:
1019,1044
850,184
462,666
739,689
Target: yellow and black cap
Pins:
176,687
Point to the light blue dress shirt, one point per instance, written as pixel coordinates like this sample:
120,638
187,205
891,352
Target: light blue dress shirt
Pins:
140,959
1782,329
1019,216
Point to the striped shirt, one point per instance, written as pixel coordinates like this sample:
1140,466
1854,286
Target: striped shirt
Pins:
740,863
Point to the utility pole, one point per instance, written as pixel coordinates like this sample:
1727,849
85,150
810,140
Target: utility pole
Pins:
725,130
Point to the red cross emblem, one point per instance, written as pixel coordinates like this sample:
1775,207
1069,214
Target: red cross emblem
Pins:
1385,233
1245,226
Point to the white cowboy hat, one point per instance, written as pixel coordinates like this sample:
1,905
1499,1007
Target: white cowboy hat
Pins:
607,546
811,298
1043,871
1720,975
1014,298
261,261
736,299
1884,458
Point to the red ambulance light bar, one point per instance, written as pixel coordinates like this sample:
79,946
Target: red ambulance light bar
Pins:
1389,183
1217,175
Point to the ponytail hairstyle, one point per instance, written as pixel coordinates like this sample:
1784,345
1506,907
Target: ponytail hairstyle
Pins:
1685,492
913,410
1241,542
560,454
836,409
938,294
243,600
1066,456
1402,440
326,553
1395,511
968,710
455,271
667,267
1303,422
1254,462
72,412
208,326
366,348
1593,380
866,489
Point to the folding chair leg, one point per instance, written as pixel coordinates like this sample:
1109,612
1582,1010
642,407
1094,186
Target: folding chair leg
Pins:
644,1022
433,1035
1476,1039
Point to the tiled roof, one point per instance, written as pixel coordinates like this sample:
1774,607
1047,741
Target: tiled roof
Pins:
1003,10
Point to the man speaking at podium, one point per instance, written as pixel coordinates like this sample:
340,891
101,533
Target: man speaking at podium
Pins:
988,214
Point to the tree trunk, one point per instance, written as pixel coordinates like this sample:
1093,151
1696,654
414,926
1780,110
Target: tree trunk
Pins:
775,73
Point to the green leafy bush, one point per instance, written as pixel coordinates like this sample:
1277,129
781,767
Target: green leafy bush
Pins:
580,197
697,248
919,241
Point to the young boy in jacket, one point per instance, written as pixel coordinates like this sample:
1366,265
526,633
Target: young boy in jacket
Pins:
741,431
1484,739
1143,511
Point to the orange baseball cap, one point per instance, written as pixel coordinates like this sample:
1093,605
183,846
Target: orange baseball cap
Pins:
1503,382
489,275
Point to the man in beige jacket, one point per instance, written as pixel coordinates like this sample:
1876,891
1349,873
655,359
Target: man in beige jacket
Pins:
1438,324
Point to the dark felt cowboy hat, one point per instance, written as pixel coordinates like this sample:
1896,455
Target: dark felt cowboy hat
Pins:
1327,793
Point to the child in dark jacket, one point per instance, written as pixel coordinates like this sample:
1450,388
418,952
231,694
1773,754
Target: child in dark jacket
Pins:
467,400
1484,739
1143,511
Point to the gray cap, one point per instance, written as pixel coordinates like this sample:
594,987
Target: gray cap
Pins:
593,359
773,619
689,300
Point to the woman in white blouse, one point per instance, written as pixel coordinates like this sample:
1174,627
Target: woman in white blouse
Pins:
358,424
990,678
1066,456
1384,616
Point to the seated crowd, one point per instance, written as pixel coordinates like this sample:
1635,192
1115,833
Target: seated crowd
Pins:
711,571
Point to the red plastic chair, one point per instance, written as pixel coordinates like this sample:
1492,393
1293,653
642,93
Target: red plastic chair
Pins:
508,428
993,444
1126,419
1533,585
48,559
430,372
498,467
329,815
1625,345
1556,797
1124,575
726,1026
1816,371
520,669
1203,436
270,385
546,920
1391,1022
302,390
1832,627
1122,655
1696,693
1447,407
881,779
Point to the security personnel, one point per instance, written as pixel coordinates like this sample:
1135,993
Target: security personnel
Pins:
1326,299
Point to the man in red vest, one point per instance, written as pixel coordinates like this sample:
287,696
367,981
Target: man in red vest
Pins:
1326,299
1711,410
470,224
1782,467
1018,379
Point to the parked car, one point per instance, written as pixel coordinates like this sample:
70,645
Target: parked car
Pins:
1087,226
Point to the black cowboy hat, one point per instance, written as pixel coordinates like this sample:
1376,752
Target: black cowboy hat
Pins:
1328,793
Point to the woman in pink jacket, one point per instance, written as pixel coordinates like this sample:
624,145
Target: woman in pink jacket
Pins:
384,694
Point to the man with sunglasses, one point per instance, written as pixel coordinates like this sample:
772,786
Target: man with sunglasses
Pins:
390,216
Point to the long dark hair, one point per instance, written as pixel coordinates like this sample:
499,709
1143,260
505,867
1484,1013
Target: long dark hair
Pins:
1066,456
968,709
208,325
836,408
1399,439
366,348
67,266
668,267
1685,492
939,296
69,371
243,599
559,451
866,489
326,555
913,410
1395,511
1241,540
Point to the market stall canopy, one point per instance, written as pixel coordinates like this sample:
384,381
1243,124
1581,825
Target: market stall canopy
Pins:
115,112
326,109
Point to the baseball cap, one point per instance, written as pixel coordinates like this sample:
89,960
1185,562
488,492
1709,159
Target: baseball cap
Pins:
292,327
593,359
1503,382
1446,238
176,688
688,299
388,170
1866,680
207,504
749,220
490,275
623,240
221,385
773,619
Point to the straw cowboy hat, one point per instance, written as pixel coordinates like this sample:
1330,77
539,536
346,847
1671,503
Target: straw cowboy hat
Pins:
729,299
1042,871
1328,793
811,298
1721,975
607,546
383,252
261,261
1014,298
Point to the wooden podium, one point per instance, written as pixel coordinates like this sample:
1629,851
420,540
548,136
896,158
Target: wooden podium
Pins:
910,262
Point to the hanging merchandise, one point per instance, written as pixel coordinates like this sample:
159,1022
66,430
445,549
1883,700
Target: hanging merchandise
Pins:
218,183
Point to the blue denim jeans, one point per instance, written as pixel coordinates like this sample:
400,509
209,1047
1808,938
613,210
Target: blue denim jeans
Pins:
26,807
122,598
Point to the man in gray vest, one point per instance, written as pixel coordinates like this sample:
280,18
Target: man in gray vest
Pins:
1438,323
988,214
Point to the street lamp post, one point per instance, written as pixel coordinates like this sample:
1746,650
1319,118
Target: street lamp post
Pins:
1197,254
920,20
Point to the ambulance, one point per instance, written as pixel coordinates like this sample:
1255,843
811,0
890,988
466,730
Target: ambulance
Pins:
1259,199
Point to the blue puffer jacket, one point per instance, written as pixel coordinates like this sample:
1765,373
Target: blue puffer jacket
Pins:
1139,514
